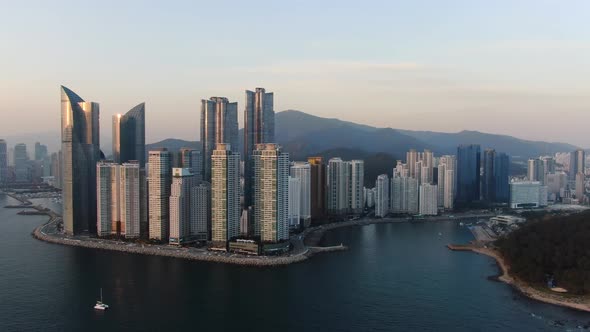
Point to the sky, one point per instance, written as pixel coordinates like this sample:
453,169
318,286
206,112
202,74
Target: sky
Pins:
520,68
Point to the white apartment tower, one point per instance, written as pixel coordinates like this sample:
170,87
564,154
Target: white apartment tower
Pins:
382,197
357,179
159,193
428,199
338,175
271,193
180,203
302,171
294,202
225,194
130,198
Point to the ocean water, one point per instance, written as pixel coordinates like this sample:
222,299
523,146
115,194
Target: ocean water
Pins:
396,277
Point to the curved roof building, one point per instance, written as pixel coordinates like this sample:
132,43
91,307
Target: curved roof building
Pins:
129,136
81,151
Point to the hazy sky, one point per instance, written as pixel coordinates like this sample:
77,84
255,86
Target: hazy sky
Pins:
512,67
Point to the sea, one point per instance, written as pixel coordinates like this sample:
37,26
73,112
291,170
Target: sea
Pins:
394,277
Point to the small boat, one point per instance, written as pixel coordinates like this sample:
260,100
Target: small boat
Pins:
99,304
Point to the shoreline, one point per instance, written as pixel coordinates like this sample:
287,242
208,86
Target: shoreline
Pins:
580,304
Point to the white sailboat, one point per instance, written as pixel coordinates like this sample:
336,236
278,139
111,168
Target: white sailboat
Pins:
99,304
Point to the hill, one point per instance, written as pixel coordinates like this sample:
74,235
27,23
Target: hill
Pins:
302,133
555,247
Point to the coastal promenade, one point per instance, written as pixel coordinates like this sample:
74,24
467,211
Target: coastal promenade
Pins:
547,296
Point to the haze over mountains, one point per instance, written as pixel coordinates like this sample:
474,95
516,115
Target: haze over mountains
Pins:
304,135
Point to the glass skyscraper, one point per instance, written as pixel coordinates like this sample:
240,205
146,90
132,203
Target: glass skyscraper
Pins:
81,151
501,178
259,127
468,176
129,136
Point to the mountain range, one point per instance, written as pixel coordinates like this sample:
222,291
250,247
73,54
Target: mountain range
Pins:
304,135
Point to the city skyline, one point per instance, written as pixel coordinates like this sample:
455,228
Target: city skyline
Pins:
487,71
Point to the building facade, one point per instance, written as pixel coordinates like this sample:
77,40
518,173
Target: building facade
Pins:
219,125
159,180
468,174
382,196
81,151
225,195
428,199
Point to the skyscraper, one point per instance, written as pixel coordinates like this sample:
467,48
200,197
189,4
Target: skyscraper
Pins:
318,187
294,209
118,205
357,179
338,177
129,136
259,127
40,151
502,178
159,181
446,181
428,199
271,193
200,211
468,175
130,196
107,198
404,195
219,124
488,184
535,170
302,171
81,151
180,204
22,166
192,160
577,163
382,197
225,195
411,160
3,162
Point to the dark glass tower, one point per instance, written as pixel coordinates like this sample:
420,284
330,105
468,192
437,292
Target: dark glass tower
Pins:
132,135
259,127
488,186
468,176
501,178
81,151
219,124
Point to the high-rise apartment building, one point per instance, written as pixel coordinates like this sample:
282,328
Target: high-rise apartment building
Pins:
535,170
3,162
259,127
200,211
180,205
129,136
225,195
118,199
382,197
468,174
192,160
577,163
446,181
302,171
219,125
428,199
159,180
338,178
411,160
271,193
404,195
318,187
294,210
357,181
81,151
